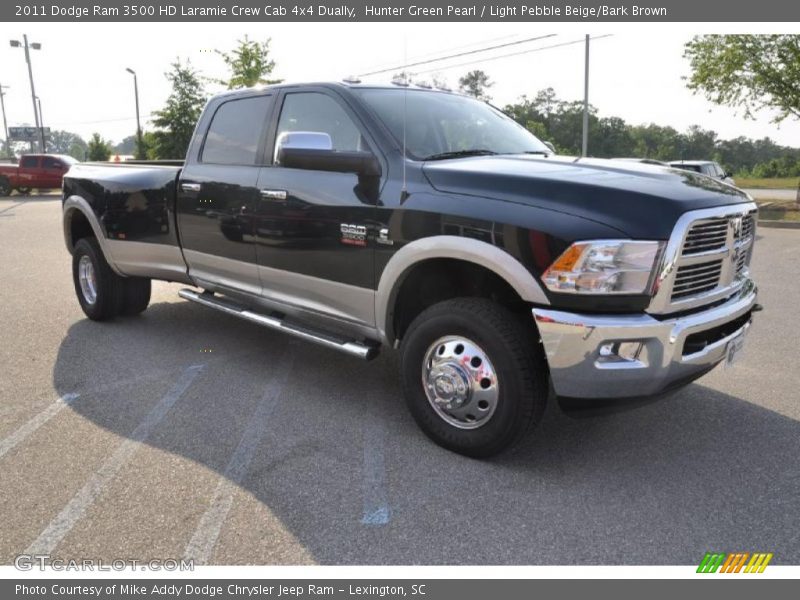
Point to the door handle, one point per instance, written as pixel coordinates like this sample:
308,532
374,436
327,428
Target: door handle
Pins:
274,194
190,187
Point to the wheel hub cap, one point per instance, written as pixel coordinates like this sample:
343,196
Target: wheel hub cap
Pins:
460,382
86,277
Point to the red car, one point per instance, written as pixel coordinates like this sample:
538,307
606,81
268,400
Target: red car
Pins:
41,171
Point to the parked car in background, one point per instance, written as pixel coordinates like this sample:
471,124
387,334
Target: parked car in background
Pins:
704,167
41,171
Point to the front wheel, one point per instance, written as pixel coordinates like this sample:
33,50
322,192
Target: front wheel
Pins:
5,186
473,376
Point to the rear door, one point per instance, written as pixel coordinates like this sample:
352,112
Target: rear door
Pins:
52,172
218,195
314,227
29,171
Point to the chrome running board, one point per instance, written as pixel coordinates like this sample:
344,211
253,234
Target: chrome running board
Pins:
352,347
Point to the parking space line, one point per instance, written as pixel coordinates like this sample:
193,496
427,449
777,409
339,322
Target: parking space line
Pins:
28,428
61,525
201,546
35,422
376,505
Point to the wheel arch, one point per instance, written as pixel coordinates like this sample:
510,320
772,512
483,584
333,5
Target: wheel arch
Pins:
411,256
78,215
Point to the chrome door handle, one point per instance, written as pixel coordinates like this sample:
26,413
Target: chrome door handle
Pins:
274,194
190,187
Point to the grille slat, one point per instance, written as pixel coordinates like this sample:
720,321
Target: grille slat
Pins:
696,279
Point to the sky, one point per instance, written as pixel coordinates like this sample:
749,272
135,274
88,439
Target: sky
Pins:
636,73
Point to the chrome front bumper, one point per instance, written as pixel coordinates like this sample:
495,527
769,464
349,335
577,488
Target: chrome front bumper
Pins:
572,344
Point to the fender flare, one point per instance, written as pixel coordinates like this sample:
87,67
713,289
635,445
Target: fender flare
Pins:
471,250
77,204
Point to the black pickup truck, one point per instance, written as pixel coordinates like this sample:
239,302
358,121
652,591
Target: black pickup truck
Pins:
364,217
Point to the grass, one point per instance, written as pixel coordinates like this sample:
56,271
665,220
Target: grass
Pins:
779,213
776,183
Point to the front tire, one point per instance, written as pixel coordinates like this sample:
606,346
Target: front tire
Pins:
98,288
473,375
5,186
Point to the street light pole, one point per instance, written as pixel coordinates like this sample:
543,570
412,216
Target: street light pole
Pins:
41,121
35,46
138,123
5,123
585,145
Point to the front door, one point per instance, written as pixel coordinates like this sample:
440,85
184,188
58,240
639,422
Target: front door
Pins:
313,228
218,195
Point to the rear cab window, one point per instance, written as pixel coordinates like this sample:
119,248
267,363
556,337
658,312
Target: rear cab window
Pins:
236,131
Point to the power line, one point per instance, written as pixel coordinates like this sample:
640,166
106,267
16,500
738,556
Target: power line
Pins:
451,49
479,50
482,60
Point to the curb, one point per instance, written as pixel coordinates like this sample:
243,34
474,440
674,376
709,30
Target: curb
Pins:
780,224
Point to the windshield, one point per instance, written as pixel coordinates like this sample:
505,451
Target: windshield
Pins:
69,160
439,123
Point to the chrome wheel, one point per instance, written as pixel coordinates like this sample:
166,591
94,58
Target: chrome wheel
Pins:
87,279
460,382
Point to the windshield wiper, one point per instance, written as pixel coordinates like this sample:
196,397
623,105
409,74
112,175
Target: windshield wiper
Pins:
542,152
460,154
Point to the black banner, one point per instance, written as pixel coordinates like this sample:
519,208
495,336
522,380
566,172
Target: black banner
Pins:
584,11
339,589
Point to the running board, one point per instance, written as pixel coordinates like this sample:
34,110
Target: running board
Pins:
354,348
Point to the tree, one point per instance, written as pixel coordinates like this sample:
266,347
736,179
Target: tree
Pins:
126,146
175,122
99,149
66,142
476,84
249,64
751,72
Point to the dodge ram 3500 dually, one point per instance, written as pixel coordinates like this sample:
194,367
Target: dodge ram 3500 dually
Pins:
363,217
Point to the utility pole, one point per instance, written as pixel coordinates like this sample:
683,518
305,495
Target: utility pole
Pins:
139,143
5,123
585,145
35,46
41,121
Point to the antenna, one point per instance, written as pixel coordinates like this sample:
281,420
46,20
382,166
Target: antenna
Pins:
404,191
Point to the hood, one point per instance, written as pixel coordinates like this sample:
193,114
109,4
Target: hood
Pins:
642,200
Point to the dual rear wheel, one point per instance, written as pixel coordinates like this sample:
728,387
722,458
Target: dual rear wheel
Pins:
102,293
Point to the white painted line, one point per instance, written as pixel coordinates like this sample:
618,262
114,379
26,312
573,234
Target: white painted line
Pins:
56,407
61,525
35,422
376,505
201,546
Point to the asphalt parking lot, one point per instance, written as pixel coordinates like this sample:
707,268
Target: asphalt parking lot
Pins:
184,432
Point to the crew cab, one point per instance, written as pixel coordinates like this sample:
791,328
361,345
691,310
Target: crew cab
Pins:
368,218
41,171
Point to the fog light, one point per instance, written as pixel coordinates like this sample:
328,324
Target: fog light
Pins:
620,350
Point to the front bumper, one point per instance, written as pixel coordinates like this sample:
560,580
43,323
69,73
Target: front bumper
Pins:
673,351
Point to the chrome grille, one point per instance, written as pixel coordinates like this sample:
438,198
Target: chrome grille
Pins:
706,258
696,279
704,237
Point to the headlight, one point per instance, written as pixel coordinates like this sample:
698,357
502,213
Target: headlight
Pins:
604,267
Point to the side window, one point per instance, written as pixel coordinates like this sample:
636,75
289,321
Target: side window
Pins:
313,111
235,131
48,162
29,162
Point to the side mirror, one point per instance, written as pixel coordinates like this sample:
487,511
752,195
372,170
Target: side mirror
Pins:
314,151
